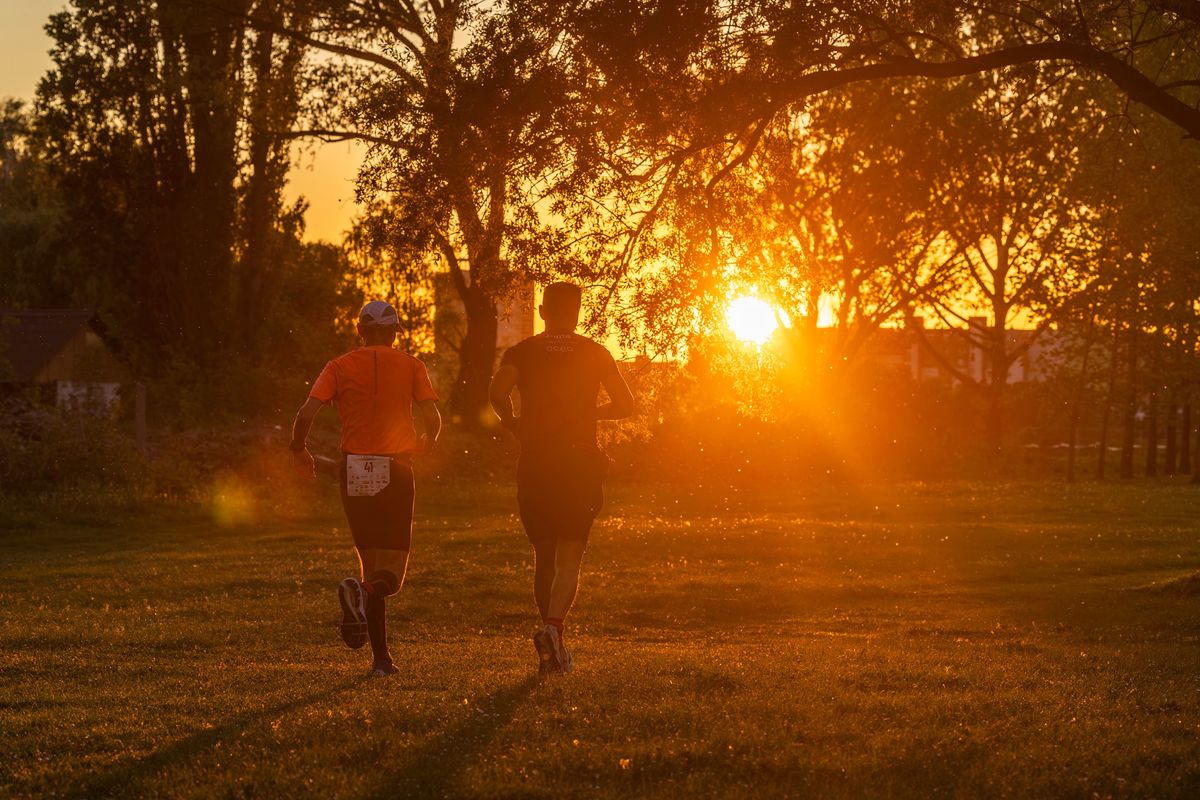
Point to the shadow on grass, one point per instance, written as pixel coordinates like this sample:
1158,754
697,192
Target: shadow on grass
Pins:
432,770
123,777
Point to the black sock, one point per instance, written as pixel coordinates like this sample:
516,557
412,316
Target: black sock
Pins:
377,628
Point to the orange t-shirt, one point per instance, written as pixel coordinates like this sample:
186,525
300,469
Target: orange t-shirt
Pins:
374,389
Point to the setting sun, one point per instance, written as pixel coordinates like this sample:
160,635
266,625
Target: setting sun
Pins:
751,319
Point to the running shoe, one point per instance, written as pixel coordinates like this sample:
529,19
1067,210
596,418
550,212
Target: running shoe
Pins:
354,613
566,662
382,670
544,640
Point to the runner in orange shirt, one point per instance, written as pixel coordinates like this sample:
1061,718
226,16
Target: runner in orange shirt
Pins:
375,388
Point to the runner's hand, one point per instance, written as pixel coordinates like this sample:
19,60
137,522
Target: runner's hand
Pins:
426,445
304,464
512,442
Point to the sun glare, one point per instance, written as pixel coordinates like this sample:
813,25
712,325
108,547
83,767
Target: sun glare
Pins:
751,319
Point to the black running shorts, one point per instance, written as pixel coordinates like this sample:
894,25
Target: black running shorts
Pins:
560,491
382,520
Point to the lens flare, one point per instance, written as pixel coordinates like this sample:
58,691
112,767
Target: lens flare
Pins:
233,501
751,319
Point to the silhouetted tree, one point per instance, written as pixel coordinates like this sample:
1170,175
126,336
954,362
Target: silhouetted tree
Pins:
698,79
467,110
38,266
385,263
161,120
1011,151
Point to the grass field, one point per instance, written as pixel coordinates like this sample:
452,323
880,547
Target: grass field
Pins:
922,640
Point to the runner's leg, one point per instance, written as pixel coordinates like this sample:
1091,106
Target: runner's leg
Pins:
580,495
543,575
383,575
568,559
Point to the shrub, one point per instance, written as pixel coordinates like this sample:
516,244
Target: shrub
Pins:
42,448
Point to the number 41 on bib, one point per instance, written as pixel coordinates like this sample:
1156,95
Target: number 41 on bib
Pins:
367,475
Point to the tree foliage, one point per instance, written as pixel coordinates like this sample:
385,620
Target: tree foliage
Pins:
858,164
159,122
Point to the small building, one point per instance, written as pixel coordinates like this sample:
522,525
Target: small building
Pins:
925,352
59,354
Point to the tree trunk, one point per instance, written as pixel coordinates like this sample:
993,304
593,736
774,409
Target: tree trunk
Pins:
214,86
274,104
1072,441
1171,452
1185,440
1113,363
1152,436
995,419
1073,432
1127,439
476,361
1129,435
1196,456
262,198
997,373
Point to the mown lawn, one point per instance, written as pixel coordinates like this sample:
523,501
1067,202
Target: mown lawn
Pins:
914,641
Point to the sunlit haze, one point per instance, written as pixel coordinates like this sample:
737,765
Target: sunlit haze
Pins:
870,467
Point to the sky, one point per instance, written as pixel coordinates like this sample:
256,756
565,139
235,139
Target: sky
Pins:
324,175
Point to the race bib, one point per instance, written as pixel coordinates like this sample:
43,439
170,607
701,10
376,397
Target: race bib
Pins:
367,475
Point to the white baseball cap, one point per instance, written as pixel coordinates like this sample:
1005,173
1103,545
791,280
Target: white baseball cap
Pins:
377,313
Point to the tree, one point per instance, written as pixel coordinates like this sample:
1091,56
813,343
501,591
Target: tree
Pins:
853,196
1012,152
467,110
1138,182
831,216
387,264
161,122
38,268
745,63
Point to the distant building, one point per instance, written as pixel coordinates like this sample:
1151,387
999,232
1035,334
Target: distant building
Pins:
925,352
59,354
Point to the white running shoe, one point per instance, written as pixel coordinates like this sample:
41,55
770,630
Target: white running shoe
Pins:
566,662
354,613
553,655
382,670
547,652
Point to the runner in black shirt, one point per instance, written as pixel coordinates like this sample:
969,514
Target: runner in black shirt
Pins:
558,375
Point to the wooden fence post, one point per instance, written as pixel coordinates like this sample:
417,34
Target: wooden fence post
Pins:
139,417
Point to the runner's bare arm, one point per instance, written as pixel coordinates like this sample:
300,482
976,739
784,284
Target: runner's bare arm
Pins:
300,429
620,400
303,423
431,422
500,393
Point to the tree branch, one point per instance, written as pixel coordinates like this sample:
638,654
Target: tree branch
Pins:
356,53
330,136
1137,86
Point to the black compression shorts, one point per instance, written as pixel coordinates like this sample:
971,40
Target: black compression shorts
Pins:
382,520
560,491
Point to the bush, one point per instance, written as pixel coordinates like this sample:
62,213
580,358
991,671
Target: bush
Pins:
55,462
43,449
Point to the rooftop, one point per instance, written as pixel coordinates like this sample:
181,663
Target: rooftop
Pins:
29,340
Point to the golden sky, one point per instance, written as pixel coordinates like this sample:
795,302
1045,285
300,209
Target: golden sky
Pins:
323,174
